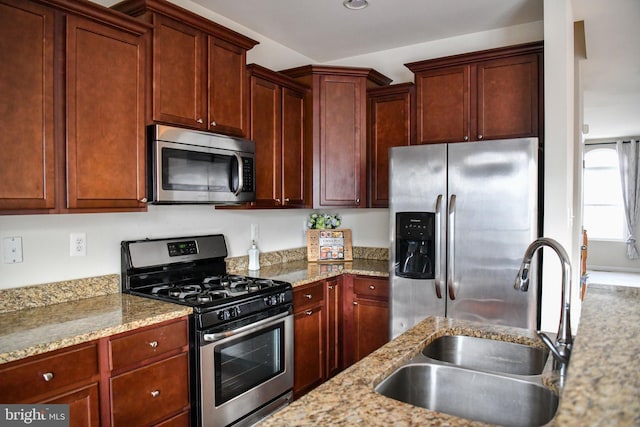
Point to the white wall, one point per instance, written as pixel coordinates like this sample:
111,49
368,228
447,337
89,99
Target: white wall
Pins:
46,237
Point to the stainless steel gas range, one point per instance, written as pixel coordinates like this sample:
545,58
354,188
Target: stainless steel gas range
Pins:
241,329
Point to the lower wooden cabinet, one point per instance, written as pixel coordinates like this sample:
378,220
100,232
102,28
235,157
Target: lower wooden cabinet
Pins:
366,311
149,375
337,321
309,327
135,378
69,376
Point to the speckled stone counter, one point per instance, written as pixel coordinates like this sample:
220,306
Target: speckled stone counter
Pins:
32,331
602,389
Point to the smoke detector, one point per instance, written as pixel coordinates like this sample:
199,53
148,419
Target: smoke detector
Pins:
355,4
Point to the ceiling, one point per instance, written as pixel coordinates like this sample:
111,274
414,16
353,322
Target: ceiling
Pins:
324,31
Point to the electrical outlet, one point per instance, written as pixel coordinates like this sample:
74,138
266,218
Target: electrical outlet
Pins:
78,244
12,250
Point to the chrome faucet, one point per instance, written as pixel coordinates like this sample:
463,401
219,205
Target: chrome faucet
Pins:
561,349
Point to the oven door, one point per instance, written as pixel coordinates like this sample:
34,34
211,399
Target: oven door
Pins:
193,174
246,370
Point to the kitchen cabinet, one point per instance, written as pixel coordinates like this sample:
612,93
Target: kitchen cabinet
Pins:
276,114
333,293
149,371
390,120
335,128
309,338
366,308
82,84
198,69
491,94
68,376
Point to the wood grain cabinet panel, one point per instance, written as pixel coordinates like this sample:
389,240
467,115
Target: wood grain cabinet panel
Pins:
390,124
335,128
105,116
491,94
27,164
84,409
309,327
198,69
276,113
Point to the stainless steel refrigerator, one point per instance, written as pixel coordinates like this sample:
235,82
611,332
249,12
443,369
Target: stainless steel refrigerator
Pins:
461,217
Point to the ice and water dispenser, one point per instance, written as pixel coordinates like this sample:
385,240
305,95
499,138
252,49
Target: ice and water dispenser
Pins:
415,245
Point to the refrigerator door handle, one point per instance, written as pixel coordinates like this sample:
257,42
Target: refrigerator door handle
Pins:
438,260
451,226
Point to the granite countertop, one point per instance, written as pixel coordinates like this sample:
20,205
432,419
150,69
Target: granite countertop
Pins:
603,382
37,319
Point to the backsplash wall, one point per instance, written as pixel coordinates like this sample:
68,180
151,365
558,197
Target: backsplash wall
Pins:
45,238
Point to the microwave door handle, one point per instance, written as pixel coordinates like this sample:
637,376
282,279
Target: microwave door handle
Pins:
238,190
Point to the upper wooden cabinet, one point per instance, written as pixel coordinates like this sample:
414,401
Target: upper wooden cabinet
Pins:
198,68
492,94
72,108
276,114
335,125
390,124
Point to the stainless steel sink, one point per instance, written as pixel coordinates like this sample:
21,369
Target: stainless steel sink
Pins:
475,395
487,354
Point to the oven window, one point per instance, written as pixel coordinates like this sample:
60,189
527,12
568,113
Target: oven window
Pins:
248,361
195,171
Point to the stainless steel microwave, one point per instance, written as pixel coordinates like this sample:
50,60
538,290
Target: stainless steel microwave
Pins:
188,166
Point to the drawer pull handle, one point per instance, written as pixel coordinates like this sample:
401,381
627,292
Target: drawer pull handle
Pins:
308,296
372,287
153,344
155,393
308,312
331,287
47,376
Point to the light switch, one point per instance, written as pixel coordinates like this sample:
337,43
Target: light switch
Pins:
12,250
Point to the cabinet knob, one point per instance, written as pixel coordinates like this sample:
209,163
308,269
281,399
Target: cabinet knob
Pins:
200,120
286,199
277,200
331,287
213,123
47,376
466,137
155,393
355,303
372,287
143,200
308,312
479,136
308,296
153,344
357,201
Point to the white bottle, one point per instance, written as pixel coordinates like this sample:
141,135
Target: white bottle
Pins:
254,256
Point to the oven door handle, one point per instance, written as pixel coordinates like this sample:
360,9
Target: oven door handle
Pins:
220,335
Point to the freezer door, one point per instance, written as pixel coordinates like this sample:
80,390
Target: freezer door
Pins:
417,183
492,218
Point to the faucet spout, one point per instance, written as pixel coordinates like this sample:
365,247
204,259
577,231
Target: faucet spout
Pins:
564,339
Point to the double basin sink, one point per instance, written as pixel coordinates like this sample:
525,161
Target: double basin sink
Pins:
480,379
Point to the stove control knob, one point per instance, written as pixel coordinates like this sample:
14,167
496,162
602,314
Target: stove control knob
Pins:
224,315
271,300
234,311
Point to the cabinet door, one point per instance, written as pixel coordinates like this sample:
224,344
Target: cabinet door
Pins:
227,88
265,132
26,112
390,125
443,107
84,409
179,74
105,117
309,355
334,326
342,168
371,323
508,97
293,152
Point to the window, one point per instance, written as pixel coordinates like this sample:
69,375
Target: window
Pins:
603,205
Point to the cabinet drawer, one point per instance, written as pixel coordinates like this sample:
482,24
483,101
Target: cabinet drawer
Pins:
376,288
308,296
22,381
147,343
150,393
